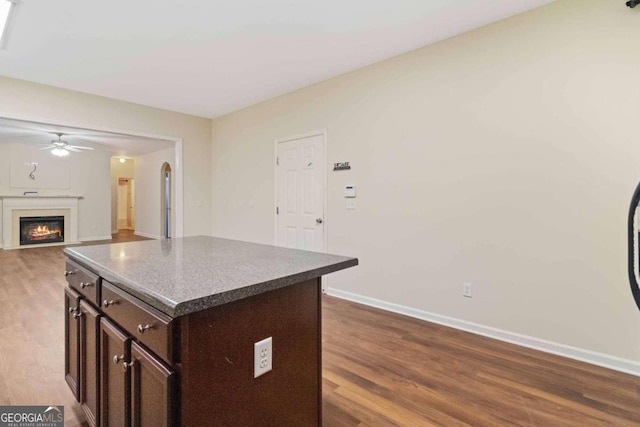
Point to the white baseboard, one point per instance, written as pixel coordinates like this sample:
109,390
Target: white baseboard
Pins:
600,359
92,238
149,235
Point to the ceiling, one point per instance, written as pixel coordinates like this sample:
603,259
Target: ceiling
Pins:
212,57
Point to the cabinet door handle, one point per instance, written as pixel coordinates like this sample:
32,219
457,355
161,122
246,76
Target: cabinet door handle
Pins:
86,285
69,272
73,310
117,359
77,315
141,328
107,303
126,365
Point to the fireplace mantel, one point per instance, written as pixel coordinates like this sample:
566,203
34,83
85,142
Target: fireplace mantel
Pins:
12,205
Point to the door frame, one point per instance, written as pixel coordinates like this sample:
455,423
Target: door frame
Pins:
131,184
319,132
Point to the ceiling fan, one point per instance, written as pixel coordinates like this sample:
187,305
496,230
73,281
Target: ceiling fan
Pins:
59,147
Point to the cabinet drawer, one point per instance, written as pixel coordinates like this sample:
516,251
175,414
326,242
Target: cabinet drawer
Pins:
83,281
144,323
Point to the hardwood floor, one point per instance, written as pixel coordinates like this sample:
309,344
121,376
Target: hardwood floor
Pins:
379,368
32,328
384,369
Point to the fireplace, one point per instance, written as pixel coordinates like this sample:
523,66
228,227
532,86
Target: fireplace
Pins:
35,230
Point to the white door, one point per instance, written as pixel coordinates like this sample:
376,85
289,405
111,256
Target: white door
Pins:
301,192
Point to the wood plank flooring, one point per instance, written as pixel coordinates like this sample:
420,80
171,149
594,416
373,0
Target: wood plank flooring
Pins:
32,328
384,369
379,368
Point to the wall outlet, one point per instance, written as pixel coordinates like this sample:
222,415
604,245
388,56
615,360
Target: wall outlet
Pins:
466,290
262,357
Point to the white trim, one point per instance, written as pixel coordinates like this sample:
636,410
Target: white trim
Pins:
178,148
93,238
149,235
599,359
114,231
178,188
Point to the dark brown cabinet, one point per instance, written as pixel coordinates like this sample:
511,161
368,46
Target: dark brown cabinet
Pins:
111,372
152,390
114,378
89,323
131,365
72,338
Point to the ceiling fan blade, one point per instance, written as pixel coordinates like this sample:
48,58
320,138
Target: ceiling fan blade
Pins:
79,147
70,148
48,147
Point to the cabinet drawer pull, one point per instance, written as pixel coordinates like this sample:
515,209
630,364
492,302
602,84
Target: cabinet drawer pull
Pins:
117,359
107,303
126,365
86,285
141,328
69,272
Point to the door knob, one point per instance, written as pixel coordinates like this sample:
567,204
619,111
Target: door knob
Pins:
319,220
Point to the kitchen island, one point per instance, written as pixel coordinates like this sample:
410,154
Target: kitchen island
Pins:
175,332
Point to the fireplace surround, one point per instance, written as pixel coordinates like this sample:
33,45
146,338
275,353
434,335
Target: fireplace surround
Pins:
14,207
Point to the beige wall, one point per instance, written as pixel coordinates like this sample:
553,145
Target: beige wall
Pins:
505,157
86,173
60,106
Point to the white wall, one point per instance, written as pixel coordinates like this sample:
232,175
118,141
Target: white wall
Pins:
119,170
505,157
20,99
88,176
149,192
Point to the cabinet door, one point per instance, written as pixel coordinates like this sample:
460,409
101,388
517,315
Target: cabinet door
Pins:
71,341
152,390
89,364
114,380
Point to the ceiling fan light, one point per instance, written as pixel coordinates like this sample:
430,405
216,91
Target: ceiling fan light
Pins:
60,152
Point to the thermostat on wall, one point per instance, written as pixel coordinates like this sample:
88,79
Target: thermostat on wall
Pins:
350,191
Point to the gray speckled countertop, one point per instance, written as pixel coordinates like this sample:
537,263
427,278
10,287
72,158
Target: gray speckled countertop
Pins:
185,275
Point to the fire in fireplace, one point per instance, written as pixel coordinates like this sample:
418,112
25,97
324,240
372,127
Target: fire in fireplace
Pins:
36,230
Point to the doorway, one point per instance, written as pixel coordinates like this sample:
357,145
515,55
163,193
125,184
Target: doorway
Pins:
126,204
165,183
301,192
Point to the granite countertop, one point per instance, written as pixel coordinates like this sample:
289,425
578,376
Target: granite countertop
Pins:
185,275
